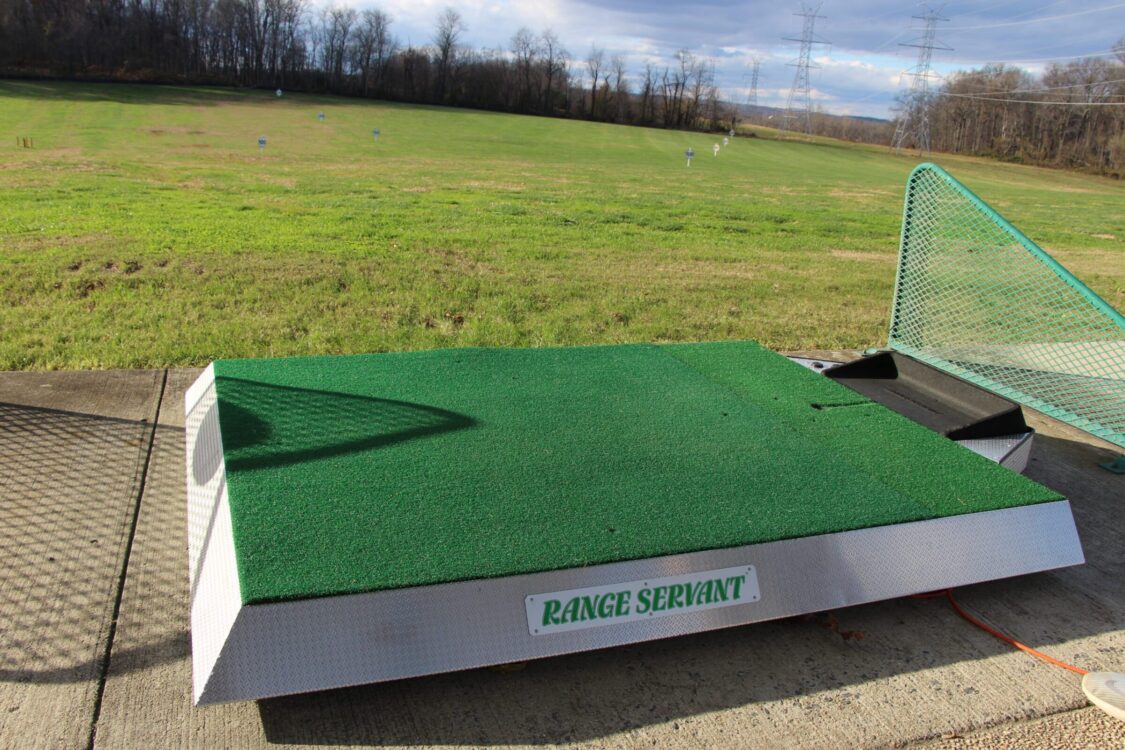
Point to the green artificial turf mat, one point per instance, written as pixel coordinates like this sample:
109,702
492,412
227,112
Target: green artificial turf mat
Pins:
370,472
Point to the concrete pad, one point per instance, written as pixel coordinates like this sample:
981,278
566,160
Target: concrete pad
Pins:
885,674
147,700
172,409
73,448
1073,730
116,394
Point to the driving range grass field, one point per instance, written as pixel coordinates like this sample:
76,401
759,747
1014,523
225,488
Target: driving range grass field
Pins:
145,228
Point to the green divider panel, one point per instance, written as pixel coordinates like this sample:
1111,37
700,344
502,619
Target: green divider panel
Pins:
978,299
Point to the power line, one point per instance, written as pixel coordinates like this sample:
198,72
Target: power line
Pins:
914,124
799,103
890,41
897,36
1035,101
1056,88
876,94
1037,20
868,97
974,8
1033,11
1103,53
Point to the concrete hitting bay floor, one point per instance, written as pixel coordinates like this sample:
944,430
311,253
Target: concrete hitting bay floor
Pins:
94,646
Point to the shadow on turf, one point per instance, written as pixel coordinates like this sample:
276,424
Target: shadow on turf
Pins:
597,694
269,426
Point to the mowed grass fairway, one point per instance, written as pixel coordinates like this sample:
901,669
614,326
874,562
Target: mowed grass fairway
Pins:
146,229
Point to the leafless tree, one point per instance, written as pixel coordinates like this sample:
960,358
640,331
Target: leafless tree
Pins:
619,87
525,49
336,28
555,61
447,33
372,48
648,95
594,62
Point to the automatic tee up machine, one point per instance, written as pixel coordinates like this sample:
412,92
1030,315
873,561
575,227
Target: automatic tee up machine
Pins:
365,518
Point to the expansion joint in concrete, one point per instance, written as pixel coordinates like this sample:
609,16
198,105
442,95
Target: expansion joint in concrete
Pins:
104,660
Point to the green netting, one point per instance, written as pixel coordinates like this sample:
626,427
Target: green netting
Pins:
977,298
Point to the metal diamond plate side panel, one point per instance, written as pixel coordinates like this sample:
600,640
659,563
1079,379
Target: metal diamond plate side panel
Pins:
215,596
292,647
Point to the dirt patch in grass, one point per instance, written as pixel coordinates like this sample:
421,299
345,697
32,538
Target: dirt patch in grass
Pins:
488,185
67,163
40,242
460,261
675,273
175,131
286,182
861,256
87,286
1054,187
859,195
1104,236
703,269
1091,261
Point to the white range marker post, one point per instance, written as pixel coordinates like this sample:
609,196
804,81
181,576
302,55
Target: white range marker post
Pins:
689,154
716,148
261,143
732,132
726,141
279,92
320,116
375,133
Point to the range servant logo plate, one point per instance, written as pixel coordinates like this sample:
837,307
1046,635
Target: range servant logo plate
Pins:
630,601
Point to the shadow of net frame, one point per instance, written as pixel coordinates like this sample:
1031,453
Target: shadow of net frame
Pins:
70,485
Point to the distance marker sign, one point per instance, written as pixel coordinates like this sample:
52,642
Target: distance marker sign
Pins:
577,609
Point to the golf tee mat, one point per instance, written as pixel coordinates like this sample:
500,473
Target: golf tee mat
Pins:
363,518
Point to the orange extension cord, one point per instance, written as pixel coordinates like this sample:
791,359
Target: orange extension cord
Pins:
948,594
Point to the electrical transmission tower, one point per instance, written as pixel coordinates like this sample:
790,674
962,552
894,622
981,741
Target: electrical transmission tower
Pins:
752,96
914,120
798,107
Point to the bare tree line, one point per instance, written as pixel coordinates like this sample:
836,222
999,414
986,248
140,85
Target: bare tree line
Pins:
1070,116
289,44
1073,115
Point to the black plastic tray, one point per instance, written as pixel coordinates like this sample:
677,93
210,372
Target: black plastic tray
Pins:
940,401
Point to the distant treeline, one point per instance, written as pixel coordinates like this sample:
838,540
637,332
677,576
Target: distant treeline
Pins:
291,45
1073,115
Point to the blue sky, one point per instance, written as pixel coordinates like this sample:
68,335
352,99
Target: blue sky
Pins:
860,72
